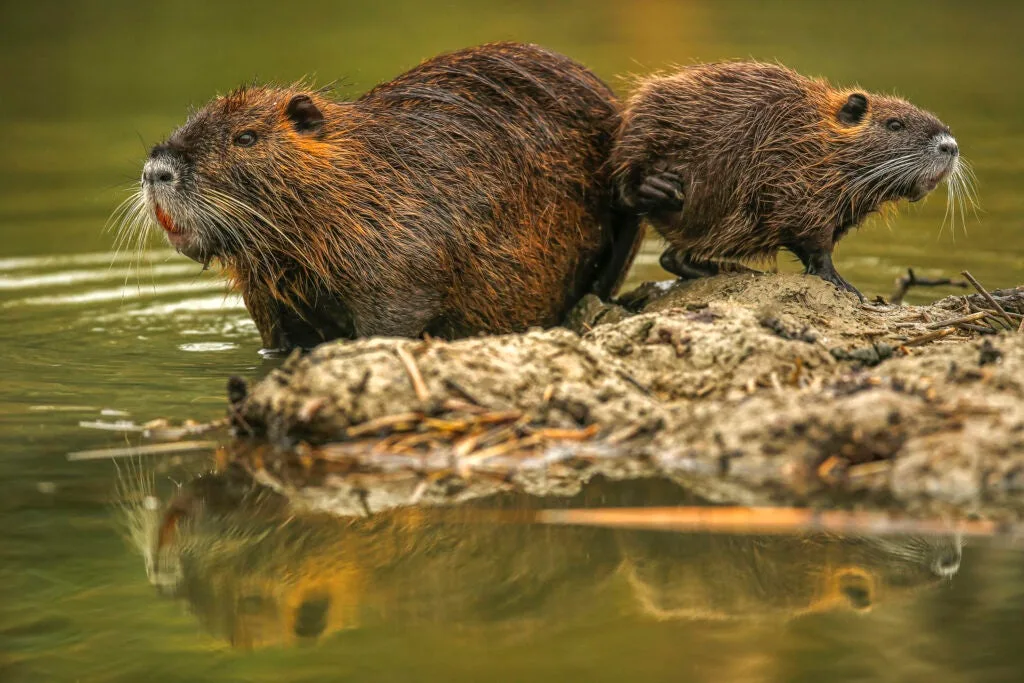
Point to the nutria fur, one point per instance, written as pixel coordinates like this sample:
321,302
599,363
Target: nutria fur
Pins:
767,159
467,195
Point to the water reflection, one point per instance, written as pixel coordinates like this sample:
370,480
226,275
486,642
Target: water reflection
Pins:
257,574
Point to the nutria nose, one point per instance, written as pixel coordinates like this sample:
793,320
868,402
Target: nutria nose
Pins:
158,172
947,145
948,561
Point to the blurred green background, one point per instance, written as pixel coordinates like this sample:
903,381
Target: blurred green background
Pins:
86,87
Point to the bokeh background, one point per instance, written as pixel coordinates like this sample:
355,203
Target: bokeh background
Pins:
87,86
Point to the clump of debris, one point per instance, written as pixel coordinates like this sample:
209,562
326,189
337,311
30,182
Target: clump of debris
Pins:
745,389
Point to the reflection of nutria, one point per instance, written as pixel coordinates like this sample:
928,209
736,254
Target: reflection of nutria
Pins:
704,576
767,159
257,571
466,195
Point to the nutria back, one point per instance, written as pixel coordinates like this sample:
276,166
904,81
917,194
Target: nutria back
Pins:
738,160
467,195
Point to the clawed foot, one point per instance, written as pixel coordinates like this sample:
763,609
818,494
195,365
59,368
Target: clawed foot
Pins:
820,264
685,266
660,193
682,265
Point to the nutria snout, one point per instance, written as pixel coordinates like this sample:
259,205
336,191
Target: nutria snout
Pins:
944,158
161,187
737,160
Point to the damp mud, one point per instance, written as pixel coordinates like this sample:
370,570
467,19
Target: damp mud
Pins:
741,389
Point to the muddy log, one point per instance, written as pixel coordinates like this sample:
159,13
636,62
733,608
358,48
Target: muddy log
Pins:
742,389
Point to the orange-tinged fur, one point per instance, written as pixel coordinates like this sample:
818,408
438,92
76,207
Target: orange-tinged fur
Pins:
467,195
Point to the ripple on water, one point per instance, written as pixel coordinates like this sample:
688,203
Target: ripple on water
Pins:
103,258
77,277
205,347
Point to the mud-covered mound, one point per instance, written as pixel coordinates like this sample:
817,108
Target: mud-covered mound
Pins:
746,389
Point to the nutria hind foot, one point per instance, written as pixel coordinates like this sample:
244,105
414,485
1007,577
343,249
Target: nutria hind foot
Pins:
686,266
660,192
820,263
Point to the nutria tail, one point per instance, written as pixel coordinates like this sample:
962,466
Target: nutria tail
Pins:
617,256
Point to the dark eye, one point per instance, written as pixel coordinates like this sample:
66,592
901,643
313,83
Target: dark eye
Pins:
246,138
894,125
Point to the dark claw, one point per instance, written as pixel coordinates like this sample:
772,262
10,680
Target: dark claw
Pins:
682,265
660,192
820,264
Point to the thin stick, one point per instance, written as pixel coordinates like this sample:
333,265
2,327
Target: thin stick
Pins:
976,307
956,321
418,385
931,336
467,444
498,416
457,405
405,420
980,329
500,449
904,283
152,449
461,391
740,520
988,297
625,434
569,434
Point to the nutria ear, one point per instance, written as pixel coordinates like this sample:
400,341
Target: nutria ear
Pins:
854,109
857,591
304,114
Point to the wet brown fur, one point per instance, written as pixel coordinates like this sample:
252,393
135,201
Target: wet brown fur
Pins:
467,195
765,162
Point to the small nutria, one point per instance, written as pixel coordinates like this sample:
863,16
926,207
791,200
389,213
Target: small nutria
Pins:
766,159
468,195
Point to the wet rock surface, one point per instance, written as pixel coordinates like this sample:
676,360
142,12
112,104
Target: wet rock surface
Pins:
743,389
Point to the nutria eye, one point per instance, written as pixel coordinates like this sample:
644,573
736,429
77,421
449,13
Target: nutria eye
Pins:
894,124
245,139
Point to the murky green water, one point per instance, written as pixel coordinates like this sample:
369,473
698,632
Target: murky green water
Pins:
85,87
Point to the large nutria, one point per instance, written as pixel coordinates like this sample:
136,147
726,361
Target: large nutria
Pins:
737,160
467,195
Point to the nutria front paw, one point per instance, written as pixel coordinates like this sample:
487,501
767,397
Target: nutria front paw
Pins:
660,192
820,264
836,279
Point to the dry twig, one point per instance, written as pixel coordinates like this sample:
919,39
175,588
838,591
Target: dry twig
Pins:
418,385
988,297
904,283
930,337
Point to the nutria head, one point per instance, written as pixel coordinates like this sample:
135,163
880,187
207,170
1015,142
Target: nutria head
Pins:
889,149
229,183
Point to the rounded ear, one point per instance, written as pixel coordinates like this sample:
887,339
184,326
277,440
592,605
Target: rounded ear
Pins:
311,617
856,588
304,114
853,111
